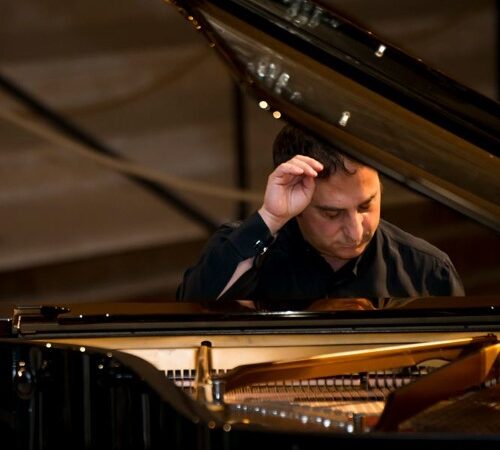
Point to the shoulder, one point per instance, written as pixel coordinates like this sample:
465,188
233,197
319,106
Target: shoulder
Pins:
404,242
229,227
251,225
430,268
223,232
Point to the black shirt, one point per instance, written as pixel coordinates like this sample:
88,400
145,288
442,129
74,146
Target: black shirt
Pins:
288,269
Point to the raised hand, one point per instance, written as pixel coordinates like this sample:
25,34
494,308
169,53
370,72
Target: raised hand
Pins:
289,190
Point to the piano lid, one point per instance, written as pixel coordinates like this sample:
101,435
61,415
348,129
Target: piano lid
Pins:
305,62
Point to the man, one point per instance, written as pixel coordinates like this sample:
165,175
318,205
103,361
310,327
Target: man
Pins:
318,235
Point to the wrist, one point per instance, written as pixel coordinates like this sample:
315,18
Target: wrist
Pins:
274,223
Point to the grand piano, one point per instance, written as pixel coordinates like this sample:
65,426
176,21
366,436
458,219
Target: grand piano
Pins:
168,375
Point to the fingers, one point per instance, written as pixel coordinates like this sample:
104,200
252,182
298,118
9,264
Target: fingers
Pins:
289,190
300,165
313,163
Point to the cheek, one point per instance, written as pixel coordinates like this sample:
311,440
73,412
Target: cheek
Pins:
371,221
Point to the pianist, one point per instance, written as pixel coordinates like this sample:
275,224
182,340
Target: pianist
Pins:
318,235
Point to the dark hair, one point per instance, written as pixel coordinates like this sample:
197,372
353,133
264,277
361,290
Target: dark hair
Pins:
292,141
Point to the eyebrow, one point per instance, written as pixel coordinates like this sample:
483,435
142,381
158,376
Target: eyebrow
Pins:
335,209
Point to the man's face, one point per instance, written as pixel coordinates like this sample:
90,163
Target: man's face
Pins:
343,214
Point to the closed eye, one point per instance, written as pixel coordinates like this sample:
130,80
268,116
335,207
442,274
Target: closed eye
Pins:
365,206
329,214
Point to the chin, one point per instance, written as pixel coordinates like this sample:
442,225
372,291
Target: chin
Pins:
350,253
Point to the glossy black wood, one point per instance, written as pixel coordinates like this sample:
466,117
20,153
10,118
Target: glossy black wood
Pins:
390,315
366,97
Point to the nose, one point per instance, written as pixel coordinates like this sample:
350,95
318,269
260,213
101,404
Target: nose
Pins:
353,227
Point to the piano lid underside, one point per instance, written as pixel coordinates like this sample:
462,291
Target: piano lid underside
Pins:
319,70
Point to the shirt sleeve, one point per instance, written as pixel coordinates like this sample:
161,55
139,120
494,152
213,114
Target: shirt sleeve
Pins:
230,245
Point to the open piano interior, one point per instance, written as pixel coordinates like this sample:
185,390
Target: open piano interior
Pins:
147,375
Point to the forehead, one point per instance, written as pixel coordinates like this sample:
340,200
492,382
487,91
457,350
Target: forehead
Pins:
342,189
